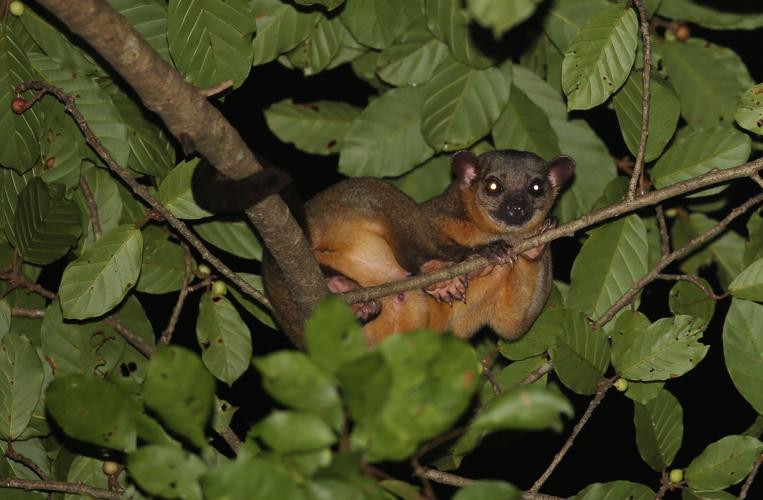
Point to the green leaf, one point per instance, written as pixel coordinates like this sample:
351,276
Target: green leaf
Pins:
412,60
91,100
329,4
410,389
698,153
667,349
664,110
292,379
5,318
449,23
426,181
615,489
176,195
105,191
580,356
21,378
723,463
20,132
91,348
211,40
743,350
290,432
525,126
163,265
167,471
643,392
251,306
749,283
510,376
149,18
659,429
101,277
46,224
749,113
225,340
92,410
708,80
462,104
600,57
11,184
322,45
234,236
525,408
378,23
715,14
84,470
333,336
181,391
385,138
280,27
223,415
488,490
542,334
315,127
60,151
501,16
611,260
753,249
565,18
688,298
247,479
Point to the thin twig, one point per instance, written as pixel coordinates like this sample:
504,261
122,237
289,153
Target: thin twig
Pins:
696,242
24,460
130,336
601,391
418,470
166,335
27,313
758,179
696,282
487,363
58,486
476,262
665,485
664,235
139,189
18,279
537,373
230,437
449,479
636,182
750,478
92,207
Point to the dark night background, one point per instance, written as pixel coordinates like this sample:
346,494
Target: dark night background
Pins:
606,449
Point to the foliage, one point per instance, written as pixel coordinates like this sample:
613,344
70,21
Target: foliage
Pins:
83,261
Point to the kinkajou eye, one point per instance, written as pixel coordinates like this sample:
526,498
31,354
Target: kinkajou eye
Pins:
537,187
493,186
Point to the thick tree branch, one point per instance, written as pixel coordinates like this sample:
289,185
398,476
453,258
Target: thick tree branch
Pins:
476,262
636,182
187,114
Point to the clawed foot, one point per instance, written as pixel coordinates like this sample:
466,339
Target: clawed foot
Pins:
364,311
537,252
448,290
499,253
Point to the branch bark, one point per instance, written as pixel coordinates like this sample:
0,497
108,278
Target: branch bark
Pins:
187,114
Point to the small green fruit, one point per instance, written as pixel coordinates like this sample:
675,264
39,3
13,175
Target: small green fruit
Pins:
671,213
621,384
110,468
203,271
219,288
16,8
676,476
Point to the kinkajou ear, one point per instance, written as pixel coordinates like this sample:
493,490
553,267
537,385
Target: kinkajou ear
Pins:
465,166
560,169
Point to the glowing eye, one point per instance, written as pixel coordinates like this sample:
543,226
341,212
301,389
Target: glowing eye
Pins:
493,186
536,188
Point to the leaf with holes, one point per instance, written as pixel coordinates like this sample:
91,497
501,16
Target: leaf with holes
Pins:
659,429
211,40
600,57
91,100
315,127
46,224
723,463
664,111
280,27
743,350
698,153
708,80
20,132
176,195
413,59
378,23
449,23
149,18
385,139
580,355
100,278
749,113
21,378
60,151
225,340
668,348
461,104
611,260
